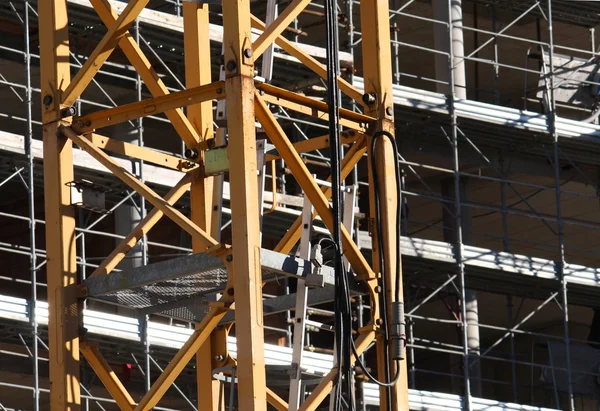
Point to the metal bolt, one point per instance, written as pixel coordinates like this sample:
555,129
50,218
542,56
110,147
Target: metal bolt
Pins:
389,111
230,291
68,112
190,153
88,123
231,65
369,98
220,358
379,321
229,258
219,90
47,100
248,53
378,289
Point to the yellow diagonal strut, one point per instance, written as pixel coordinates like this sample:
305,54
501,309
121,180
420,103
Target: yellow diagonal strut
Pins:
107,376
141,188
183,357
102,51
150,78
311,189
143,227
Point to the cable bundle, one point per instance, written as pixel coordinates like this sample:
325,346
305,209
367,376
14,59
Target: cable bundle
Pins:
343,312
344,343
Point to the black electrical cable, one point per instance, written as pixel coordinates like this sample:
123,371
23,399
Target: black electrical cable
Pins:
343,313
345,286
383,295
377,211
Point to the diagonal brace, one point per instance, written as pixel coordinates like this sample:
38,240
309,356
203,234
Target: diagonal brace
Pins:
183,357
102,51
310,187
143,227
147,155
294,233
275,29
324,388
142,189
310,62
150,78
107,376
276,401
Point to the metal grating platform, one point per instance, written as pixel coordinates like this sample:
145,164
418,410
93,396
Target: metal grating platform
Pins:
182,287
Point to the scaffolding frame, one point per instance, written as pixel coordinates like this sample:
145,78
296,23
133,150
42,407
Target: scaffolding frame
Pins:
455,128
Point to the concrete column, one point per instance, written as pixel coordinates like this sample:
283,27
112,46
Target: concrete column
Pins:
127,216
472,317
441,38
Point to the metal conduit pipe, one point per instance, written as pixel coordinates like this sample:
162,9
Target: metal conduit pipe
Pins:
453,43
471,303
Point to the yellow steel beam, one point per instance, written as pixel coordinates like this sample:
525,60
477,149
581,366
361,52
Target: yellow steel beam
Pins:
141,188
313,107
143,227
313,112
377,72
150,78
276,401
293,234
148,107
108,377
285,18
247,275
63,313
183,357
196,42
134,151
102,51
310,62
197,64
319,143
310,187
324,388
206,385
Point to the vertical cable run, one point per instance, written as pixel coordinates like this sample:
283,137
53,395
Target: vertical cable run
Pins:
343,334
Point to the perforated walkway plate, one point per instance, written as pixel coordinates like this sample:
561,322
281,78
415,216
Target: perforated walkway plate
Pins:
182,287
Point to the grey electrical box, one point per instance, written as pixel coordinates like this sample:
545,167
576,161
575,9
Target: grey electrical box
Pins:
88,195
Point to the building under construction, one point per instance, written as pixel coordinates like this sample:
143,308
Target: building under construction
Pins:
294,205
